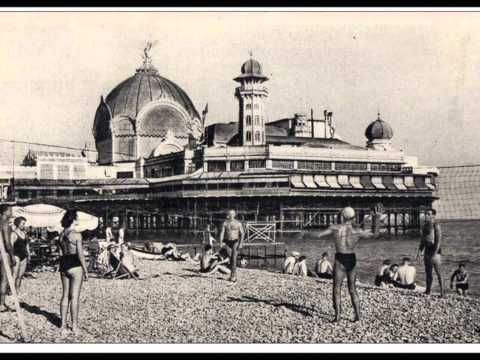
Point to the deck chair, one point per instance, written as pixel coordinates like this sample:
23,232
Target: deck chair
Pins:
120,269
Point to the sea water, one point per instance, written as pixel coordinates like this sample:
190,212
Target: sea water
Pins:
461,243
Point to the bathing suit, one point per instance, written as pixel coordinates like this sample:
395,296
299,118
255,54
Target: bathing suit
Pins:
68,262
401,286
20,247
325,275
461,277
347,260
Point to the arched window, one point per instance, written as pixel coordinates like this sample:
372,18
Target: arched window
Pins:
249,120
248,136
257,120
256,106
257,136
248,106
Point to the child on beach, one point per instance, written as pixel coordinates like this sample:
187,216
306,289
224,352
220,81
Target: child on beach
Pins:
460,278
324,268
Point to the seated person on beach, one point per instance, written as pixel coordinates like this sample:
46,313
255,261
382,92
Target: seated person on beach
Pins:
406,275
460,278
300,268
290,261
381,272
324,268
128,259
211,263
390,276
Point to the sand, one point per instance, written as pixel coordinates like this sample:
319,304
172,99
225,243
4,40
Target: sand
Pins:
175,304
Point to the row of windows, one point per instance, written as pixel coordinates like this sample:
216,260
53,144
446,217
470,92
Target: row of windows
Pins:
248,120
238,165
385,167
249,106
63,171
314,165
258,136
282,164
159,172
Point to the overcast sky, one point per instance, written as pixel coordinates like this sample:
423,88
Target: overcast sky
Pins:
422,70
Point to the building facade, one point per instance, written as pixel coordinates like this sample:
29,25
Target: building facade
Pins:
157,167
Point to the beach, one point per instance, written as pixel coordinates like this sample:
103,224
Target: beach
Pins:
176,304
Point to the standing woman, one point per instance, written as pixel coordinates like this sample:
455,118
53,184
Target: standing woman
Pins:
73,269
21,250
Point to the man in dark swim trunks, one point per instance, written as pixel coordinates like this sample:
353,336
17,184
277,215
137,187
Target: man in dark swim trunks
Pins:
6,217
346,239
430,244
232,234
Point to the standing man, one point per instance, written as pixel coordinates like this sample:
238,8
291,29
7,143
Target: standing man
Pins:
233,234
346,239
430,244
6,230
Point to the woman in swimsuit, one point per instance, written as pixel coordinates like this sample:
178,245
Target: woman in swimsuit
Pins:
73,269
21,250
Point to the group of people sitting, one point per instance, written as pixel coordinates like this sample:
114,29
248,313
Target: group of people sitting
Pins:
169,251
296,264
404,276
392,275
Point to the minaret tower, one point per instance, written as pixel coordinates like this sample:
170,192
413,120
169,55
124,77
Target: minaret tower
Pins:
251,95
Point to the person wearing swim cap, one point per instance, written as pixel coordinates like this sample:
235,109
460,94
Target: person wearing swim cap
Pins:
346,237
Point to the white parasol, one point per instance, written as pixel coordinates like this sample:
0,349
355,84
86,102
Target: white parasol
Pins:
49,216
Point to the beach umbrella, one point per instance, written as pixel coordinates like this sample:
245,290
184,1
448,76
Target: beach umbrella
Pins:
49,216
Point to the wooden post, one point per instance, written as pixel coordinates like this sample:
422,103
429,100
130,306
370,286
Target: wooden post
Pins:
11,283
136,225
403,223
396,224
389,224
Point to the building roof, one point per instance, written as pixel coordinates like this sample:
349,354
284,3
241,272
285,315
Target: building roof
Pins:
146,85
379,130
251,69
311,142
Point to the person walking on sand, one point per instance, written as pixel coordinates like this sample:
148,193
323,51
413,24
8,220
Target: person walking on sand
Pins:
430,244
73,269
460,278
346,237
232,233
6,229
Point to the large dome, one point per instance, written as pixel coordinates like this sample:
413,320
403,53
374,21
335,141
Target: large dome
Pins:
379,130
129,97
136,115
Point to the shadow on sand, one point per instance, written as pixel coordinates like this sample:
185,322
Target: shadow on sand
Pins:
52,317
305,311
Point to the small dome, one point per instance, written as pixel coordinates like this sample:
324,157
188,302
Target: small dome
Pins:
252,67
379,130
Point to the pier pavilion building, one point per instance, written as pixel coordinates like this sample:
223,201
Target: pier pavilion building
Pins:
159,167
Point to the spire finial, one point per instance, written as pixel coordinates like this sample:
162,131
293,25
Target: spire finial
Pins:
378,113
147,60
250,53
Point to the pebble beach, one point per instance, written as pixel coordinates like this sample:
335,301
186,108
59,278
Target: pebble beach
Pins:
173,303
